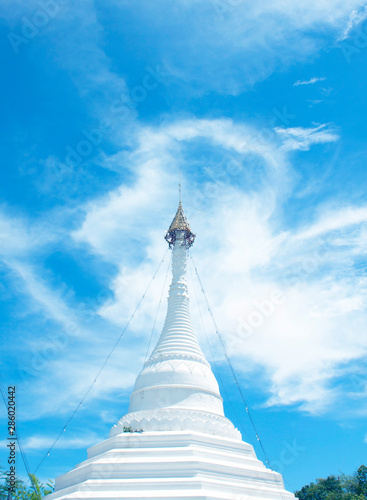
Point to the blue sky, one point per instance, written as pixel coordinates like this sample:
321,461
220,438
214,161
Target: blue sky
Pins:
263,106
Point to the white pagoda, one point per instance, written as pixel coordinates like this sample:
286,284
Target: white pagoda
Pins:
174,442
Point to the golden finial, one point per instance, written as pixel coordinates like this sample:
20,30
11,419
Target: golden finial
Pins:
180,223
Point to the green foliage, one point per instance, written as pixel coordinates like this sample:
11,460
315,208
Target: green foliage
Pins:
361,480
345,487
35,491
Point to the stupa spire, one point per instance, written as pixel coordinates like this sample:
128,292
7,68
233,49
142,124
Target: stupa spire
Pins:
177,387
178,334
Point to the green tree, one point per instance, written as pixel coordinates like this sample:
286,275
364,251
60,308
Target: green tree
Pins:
345,487
324,489
35,491
361,479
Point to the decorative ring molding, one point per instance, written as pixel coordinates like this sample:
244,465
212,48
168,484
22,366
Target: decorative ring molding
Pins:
173,420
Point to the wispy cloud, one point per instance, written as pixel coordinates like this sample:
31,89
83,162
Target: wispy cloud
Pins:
335,220
18,236
288,35
311,81
22,243
235,30
155,162
303,138
67,324
316,305
356,17
42,442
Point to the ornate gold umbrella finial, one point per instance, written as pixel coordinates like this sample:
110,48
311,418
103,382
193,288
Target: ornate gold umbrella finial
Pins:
180,223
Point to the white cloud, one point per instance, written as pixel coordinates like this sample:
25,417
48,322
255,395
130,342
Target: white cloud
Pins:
71,375
21,243
304,138
101,89
301,345
255,39
311,81
334,220
356,17
300,342
42,442
18,237
65,324
146,204
50,300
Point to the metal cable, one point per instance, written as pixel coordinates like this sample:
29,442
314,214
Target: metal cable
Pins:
223,387
102,367
159,305
235,377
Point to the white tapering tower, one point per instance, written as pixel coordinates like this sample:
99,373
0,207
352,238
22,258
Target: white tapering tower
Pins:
176,389
174,442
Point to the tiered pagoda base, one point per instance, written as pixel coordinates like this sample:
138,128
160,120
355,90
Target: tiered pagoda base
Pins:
171,465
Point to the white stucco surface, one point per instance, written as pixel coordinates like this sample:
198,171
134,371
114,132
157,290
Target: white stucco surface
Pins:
187,449
171,465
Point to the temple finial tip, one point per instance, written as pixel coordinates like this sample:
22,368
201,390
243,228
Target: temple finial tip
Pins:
180,223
